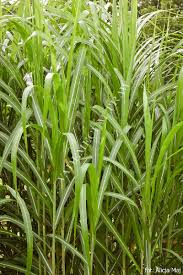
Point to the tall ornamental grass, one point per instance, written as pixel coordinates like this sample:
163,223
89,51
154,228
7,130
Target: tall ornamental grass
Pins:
91,139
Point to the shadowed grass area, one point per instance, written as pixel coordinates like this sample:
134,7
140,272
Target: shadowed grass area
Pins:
91,139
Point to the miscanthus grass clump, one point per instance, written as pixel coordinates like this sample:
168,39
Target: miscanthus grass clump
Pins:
91,139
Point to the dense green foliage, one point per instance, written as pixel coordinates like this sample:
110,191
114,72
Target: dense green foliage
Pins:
91,139
175,8
161,4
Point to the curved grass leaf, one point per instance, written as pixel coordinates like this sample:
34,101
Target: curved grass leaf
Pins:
121,197
27,227
70,248
119,239
6,264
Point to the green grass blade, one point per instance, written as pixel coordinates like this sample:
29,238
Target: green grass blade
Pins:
27,227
